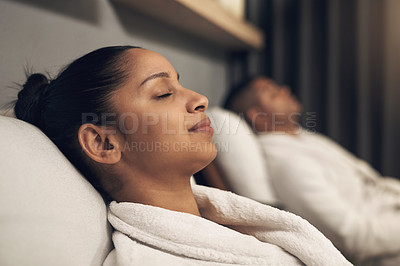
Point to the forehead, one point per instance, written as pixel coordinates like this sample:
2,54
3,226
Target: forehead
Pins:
262,84
141,64
146,63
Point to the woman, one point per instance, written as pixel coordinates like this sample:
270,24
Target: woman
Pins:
121,116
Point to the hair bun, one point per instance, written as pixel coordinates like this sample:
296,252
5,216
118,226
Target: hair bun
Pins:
29,106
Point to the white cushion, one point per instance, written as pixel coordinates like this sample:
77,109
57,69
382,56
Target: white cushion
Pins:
7,112
49,213
240,156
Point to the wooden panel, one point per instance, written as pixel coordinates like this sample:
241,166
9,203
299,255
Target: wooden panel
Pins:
204,18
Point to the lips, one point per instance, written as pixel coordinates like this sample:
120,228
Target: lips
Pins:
203,126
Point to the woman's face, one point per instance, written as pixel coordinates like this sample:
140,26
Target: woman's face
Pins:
163,125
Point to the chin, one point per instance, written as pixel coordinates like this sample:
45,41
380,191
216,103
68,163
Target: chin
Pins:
206,157
212,154
191,161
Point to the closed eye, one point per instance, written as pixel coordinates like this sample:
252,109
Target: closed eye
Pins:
164,95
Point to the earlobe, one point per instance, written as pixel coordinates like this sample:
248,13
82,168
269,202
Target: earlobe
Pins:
98,144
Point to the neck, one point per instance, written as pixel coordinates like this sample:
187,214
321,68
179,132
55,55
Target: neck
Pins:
170,193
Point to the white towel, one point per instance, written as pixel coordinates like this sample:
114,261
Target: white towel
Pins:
232,230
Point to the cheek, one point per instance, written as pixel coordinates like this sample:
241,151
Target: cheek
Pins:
281,105
129,123
173,123
166,127
269,107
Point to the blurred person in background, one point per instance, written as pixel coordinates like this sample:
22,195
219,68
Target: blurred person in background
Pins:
316,178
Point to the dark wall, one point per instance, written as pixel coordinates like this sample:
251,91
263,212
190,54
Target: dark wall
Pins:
335,55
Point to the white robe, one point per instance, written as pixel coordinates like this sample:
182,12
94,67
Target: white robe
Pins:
356,208
232,230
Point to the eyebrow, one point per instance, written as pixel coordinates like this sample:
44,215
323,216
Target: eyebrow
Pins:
157,75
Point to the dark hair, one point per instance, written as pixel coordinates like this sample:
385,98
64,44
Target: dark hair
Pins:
236,90
57,106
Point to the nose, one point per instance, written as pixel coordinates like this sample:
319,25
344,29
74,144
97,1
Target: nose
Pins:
196,102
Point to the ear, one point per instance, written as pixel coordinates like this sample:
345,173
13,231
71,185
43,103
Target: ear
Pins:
99,143
258,119
254,113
